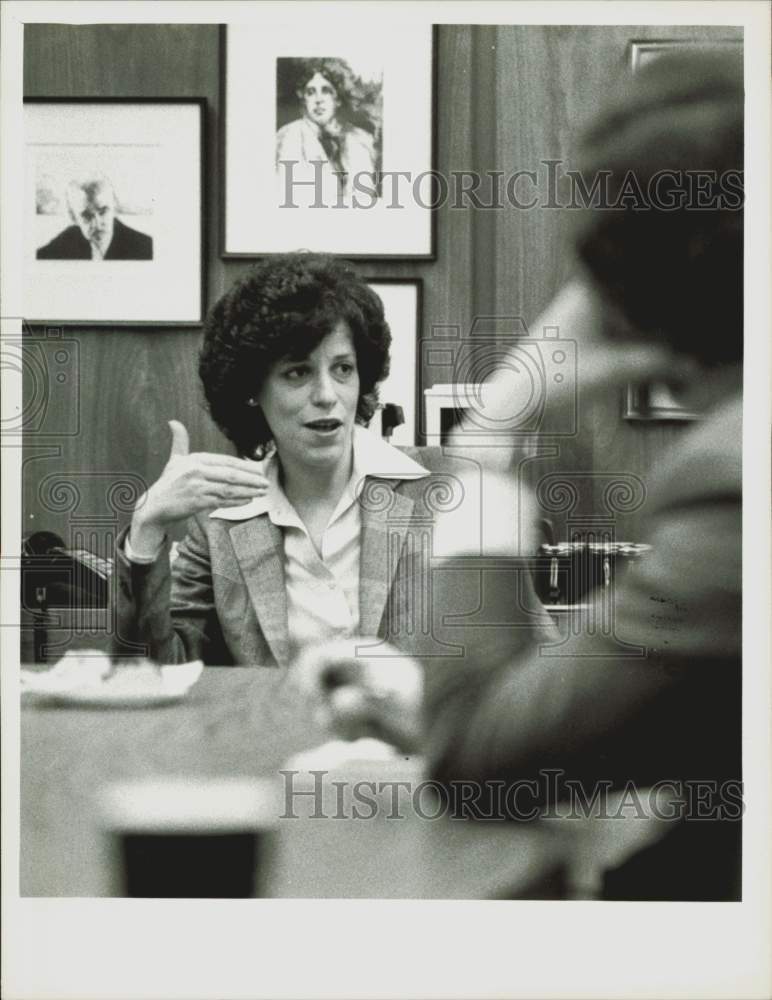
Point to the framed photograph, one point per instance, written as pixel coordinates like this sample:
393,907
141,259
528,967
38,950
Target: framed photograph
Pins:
114,211
658,401
642,53
328,139
402,305
654,401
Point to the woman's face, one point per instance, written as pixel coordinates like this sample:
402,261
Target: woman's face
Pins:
310,405
321,100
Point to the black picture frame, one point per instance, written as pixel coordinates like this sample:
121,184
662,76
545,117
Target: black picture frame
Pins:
36,318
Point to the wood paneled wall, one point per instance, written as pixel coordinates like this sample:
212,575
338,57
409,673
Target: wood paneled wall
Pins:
508,98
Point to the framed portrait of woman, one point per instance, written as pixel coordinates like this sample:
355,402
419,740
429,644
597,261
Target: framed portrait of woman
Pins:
328,139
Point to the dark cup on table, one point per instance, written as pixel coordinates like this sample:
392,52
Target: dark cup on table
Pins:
207,839
561,575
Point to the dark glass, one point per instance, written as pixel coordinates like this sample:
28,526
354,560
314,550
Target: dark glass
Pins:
193,865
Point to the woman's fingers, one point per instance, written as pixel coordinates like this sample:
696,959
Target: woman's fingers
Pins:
213,458
233,477
223,497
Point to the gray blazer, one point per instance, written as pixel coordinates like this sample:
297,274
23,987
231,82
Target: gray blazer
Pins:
224,601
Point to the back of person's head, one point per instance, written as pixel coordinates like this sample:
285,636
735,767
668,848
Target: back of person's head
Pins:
666,248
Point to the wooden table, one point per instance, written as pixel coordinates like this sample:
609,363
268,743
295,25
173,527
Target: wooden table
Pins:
247,723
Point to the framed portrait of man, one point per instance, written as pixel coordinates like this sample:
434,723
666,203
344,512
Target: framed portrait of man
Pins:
113,211
328,140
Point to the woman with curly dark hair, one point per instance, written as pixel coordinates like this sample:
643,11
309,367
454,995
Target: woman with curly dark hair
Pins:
281,551
328,144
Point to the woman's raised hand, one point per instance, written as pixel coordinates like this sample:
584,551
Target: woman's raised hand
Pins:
191,483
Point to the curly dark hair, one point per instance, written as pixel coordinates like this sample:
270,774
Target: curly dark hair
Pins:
675,274
285,307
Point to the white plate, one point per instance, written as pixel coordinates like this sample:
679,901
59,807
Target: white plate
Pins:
87,682
105,698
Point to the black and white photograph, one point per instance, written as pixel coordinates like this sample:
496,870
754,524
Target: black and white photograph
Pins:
350,117
328,120
113,206
385,537
85,204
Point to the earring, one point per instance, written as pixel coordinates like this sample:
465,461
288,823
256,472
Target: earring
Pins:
252,401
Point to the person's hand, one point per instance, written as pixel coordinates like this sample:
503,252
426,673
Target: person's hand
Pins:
356,696
189,484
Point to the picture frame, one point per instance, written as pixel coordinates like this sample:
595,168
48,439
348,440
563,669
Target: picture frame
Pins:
313,163
654,401
403,307
642,52
657,401
114,220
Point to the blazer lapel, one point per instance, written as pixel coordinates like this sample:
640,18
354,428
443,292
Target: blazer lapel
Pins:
384,528
258,546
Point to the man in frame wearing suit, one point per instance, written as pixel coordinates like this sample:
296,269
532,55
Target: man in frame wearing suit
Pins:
96,233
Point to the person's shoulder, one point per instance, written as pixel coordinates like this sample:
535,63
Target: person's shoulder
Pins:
129,231
290,127
64,242
128,238
360,135
291,131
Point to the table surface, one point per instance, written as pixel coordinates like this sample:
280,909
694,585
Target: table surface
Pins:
247,723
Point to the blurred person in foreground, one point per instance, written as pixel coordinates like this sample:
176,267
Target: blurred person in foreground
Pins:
672,280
